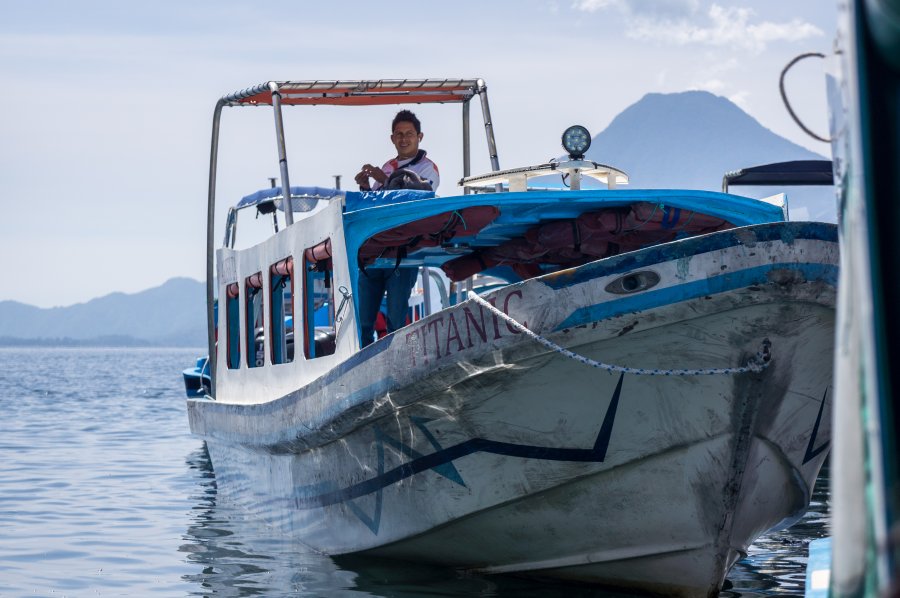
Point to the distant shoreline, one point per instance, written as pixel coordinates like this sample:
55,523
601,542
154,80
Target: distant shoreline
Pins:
97,342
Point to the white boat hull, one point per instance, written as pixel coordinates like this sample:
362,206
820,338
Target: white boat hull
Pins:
461,441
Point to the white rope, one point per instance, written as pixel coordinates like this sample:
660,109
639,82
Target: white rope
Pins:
757,363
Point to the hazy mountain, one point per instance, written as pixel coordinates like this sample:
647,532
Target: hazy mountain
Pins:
680,140
173,314
690,140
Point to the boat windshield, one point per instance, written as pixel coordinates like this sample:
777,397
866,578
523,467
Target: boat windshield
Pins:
267,209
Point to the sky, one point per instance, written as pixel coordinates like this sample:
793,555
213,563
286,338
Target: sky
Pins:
106,105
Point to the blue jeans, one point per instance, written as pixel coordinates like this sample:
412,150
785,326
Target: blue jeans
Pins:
373,284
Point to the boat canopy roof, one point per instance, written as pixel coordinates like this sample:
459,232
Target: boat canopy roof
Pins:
267,201
797,172
393,215
359,92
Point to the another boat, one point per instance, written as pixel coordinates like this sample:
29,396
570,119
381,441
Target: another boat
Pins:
646,391
196,379
862,558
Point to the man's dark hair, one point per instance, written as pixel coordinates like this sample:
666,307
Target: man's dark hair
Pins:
407,116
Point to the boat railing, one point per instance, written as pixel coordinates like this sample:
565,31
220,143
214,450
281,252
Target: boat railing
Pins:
572,171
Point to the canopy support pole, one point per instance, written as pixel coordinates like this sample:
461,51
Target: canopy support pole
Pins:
467,155
489,128
210,249
282,155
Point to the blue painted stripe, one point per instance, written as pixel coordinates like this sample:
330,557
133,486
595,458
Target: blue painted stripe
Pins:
692,290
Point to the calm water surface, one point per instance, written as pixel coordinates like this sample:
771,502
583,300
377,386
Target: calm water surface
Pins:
104,492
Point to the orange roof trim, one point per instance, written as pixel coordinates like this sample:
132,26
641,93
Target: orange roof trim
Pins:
360,93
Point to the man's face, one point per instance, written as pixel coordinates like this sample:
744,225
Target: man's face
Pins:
406,140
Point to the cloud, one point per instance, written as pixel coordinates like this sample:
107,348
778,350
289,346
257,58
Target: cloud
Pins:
664,8
711,85
741,98
681,22
727,26
551,7
595,5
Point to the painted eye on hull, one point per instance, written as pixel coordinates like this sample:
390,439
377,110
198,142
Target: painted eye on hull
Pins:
633,283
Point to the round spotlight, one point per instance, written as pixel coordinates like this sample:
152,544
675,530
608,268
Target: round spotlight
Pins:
576,140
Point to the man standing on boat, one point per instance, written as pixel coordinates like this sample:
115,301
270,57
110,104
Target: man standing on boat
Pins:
406,134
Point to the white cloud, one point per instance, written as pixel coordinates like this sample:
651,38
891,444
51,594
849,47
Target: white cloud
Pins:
793,31
711,85
741,98
712,73
595,5
665,8
726,27
682,22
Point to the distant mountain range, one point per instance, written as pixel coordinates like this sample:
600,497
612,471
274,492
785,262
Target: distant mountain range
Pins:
681,140
173,315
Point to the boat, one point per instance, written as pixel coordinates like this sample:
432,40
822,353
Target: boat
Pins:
196,379
618,386
861,556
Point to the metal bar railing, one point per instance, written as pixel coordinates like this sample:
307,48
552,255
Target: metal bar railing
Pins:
282,155
467,154
210,247
488,126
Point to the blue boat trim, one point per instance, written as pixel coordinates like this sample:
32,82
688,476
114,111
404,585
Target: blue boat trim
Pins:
818,569
692,290
445,456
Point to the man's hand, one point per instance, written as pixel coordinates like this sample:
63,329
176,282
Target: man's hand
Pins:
362,179
377,174
372,171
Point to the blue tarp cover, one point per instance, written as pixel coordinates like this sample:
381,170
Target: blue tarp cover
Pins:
360,200
303,199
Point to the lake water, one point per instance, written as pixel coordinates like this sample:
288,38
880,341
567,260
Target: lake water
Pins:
104,492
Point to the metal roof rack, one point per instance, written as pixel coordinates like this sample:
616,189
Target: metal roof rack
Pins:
359,92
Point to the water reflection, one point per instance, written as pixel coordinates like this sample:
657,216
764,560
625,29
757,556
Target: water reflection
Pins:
240,557
236,556
776,563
